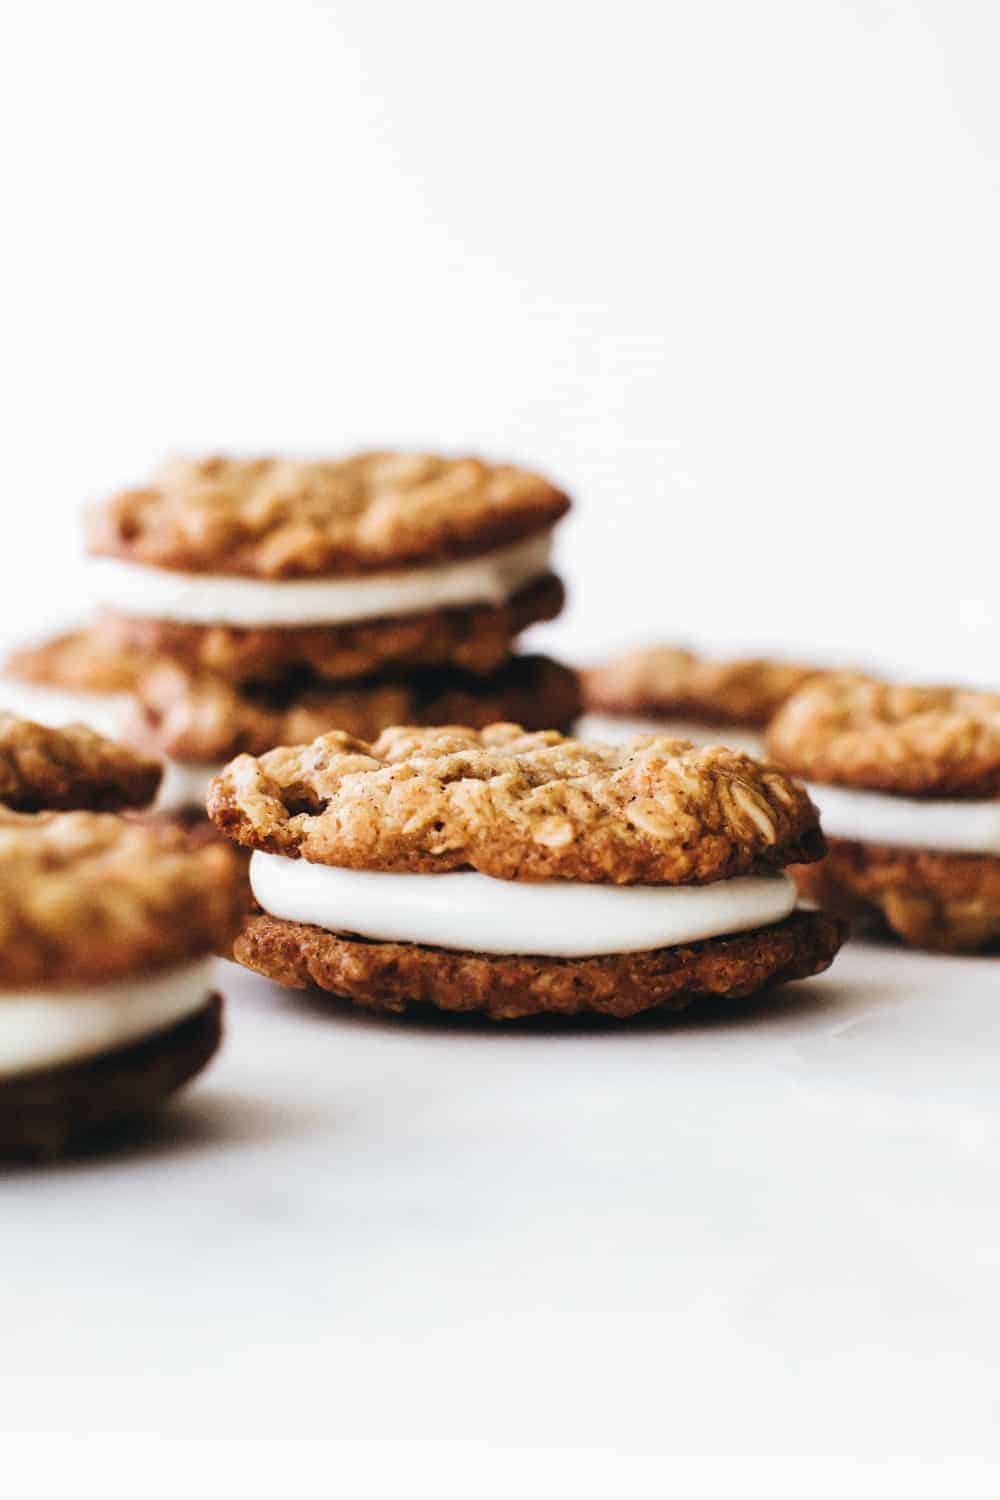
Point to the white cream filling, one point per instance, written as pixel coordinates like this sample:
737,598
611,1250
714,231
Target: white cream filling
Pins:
948,825
55,707
215,599
615,729
185,784
559,919
46,1028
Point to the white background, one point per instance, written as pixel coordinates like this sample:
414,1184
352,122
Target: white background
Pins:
730,272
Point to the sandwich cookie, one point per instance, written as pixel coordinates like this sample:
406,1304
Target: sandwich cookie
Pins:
90,677
518,874
82,676
256,568
666,689
908,782
107,996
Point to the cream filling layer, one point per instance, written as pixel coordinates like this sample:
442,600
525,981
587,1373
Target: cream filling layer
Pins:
48,1028
556,919
215,599
616,729
945,824
185,784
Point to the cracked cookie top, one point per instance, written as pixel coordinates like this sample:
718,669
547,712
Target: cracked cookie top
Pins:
668,680
519,806
891,737
91,896
298,518
71,767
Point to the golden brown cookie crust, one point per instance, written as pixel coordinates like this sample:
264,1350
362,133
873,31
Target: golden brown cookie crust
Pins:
891,737
90,896
289,518
83,661
947,902
519,806
475,639
397,976
203,718
664,681
45,1114
68,768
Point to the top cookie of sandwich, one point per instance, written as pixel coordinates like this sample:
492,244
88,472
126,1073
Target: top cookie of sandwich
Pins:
288,518
90,896
70,767
668,680
519,806
891,737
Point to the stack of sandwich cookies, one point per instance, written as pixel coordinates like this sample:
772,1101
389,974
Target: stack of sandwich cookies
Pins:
59,769
656,689
517,874
908,782
107,999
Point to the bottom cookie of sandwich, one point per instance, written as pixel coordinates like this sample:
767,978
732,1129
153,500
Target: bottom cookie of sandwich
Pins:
48,1112
942,901
388,976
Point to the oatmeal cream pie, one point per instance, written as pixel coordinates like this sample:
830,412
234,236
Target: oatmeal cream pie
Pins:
107,997
81,676
661,689
88,676
516,874
70,768
253,568
908,782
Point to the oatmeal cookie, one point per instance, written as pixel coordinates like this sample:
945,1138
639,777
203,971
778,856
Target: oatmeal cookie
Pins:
948,902
46,1113
519,806
476,638
91,896
287,518
203,718
915,741
668,681
395,976
70,768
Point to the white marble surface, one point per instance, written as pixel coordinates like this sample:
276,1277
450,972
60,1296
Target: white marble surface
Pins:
750,1256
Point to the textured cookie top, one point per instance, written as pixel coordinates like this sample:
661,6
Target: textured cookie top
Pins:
70,767
89,896
85,661
664,680
519,806
196,716
917,741
288,518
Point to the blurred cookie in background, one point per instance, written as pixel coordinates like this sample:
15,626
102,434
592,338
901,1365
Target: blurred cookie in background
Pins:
907,780
661,689
71,768
379,562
